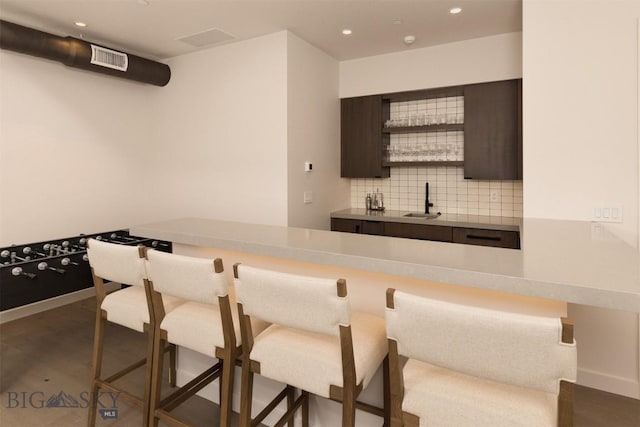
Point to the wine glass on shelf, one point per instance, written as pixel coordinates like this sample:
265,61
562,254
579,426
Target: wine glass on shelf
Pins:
430,151
424,152
451,150
440,151
393,153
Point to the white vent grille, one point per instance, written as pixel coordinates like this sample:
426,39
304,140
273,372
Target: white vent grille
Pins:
109,58
207,38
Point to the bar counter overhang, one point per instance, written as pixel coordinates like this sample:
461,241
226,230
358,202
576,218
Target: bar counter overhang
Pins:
559,260
559,263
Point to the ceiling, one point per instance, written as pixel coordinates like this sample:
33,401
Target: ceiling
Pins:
150,28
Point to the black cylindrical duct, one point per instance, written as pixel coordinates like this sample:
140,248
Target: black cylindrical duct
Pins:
80,54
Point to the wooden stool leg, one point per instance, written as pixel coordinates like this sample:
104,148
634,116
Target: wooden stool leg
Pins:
156,377
386,381
226,390
305,409
396,384
148,372
246,394
291,397
349,407
98,346
172,369
220,387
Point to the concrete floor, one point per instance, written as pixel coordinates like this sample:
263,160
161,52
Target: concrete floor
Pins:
48,353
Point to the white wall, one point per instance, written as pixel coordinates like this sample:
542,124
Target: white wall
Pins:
607,349
580,109
81,152
580,99
470,61
313,124
73,146
220,135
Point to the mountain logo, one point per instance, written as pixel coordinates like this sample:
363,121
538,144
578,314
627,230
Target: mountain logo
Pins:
62,400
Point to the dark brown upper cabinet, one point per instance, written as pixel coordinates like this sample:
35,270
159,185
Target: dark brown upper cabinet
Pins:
493,130
361,138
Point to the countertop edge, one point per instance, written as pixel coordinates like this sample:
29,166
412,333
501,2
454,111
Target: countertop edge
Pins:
571,293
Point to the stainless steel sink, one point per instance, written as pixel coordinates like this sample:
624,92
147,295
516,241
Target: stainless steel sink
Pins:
422,215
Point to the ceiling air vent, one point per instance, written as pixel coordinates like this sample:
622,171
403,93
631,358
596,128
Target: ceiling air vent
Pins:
207,38
109,58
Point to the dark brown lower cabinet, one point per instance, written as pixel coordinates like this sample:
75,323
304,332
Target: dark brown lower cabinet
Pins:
438,233
418,231
481,237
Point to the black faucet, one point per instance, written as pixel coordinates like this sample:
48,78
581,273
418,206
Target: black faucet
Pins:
427,205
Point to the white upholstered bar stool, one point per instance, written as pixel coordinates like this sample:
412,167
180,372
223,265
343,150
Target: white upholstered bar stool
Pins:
471,366
127,307
204,324
314,344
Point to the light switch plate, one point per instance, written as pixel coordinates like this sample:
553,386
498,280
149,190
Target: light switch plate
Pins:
606,213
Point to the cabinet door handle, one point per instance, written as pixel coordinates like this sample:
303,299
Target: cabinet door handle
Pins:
494,238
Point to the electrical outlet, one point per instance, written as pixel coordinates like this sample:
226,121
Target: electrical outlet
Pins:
599,232
606,213
308,197
493,196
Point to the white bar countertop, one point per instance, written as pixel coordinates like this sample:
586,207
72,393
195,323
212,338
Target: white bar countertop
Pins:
560,260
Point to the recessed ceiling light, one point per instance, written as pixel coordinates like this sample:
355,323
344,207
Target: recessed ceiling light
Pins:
81,24
455,10
347,31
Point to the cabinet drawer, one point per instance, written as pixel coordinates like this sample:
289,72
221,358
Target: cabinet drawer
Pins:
418,231
357,226
373,227
346,225
497,238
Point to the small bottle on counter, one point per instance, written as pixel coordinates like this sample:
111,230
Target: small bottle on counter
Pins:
367,201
